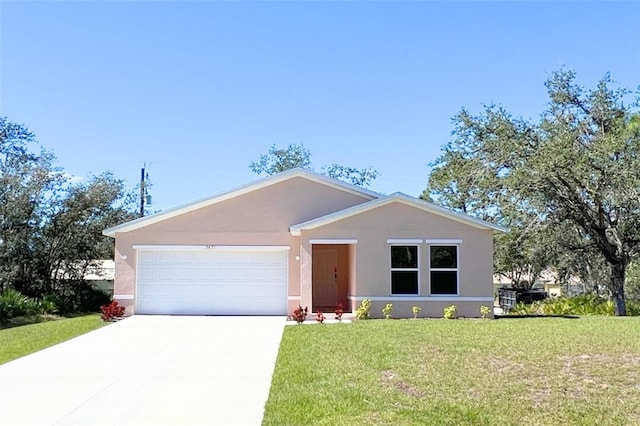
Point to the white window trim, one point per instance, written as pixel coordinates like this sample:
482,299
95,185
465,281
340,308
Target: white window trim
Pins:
123,296
392,269
456,270
405,241
443,241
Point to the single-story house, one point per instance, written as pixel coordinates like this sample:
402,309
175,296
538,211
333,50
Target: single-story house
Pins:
301,238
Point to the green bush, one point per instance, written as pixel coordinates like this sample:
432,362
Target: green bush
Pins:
416,310
449,312
364,310
387,311
484,311
49,304
79,296
582,304
633,308
15,304
534,308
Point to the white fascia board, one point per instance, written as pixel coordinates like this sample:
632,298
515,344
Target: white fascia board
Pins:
240,190
393,198
332,217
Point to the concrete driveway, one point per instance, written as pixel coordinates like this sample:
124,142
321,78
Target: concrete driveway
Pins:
148,370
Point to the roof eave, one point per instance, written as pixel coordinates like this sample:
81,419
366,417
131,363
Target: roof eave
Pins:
296,230
238,191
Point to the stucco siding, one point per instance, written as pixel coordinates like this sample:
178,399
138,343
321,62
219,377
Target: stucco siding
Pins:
291,212
260,217
374,228
271,209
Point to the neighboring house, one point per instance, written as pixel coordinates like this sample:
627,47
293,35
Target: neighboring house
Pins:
300,238
547,281
99,273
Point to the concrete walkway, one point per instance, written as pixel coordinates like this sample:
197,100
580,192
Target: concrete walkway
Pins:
148,370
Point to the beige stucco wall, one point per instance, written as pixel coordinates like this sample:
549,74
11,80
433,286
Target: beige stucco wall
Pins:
260,217
372,263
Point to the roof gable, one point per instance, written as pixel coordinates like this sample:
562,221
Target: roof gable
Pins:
239,191
395,198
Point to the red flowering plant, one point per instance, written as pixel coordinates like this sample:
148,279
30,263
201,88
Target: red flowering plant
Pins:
339,312
300,314
320,317
111,311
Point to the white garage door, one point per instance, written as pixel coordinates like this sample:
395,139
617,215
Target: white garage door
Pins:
214,281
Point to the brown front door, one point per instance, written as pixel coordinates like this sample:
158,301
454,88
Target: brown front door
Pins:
325,277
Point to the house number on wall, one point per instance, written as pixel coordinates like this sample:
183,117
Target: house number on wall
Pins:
209,247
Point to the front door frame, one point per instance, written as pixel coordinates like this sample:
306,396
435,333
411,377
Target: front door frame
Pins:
346,275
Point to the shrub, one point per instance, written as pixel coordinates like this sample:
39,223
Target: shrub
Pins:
300,314
416,310
534,308
49,304
387,311
15,304
484,311
320,317
111,311
364,310
339,312
450,312
79,296
582,304
633,308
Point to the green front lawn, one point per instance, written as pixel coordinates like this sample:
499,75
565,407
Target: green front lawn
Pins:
20,341
550,371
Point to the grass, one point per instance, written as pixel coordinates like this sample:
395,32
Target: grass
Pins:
16,342
543,371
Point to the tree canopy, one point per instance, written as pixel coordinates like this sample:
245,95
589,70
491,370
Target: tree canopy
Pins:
278,160
567,185
50,227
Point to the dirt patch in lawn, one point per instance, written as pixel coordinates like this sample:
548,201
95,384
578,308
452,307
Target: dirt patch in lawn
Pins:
391,379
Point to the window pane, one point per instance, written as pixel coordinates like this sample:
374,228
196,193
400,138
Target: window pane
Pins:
404,256
444,257
404,282
444,282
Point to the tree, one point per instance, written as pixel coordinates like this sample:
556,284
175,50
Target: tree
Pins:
51,228
28,183
359,177
278,160
575,174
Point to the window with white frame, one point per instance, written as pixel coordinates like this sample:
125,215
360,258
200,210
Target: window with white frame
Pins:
404,269
443,269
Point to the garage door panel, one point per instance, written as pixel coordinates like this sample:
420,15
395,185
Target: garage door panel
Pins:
212,283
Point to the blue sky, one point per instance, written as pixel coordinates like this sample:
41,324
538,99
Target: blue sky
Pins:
198,90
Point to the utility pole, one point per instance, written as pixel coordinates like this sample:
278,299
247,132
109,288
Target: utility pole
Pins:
142,192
